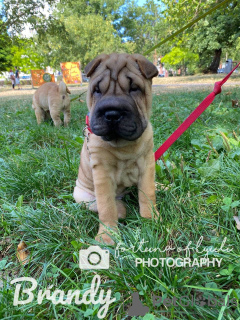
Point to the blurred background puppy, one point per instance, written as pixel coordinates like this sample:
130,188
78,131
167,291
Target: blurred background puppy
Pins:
52,99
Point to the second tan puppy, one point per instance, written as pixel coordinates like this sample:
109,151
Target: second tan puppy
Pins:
119,151
53,99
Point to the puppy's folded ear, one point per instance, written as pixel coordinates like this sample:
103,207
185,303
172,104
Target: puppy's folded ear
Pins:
68,91
92,66
147,68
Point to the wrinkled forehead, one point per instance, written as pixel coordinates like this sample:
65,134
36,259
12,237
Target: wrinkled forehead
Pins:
117,63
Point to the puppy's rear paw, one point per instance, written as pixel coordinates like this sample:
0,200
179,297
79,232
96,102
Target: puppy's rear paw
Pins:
22,253
121,209
104,238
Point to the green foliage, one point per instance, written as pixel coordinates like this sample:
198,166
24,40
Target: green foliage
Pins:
216,33
5,48
210,36
17,13
26,56
175,11
142,25
91,37
70,35
108,9
79,30
180,57
79,39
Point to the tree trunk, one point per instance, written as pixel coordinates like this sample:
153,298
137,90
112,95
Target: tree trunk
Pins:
216,61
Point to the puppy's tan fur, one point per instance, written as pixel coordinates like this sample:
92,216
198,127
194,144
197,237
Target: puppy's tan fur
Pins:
51,99
108,167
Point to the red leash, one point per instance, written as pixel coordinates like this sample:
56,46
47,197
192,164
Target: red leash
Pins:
87,123
193,116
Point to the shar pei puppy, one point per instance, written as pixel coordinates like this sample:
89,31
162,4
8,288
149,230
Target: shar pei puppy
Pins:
50,100
118,150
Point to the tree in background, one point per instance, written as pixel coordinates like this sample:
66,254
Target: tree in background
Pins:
18,13
80,30
234,51
143,26
210,36
107,9
214,34
83,40
5,48
25,55
180,58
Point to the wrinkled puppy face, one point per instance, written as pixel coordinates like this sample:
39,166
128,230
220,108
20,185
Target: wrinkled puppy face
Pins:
119,95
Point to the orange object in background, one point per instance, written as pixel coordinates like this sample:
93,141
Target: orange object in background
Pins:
71,72
40,77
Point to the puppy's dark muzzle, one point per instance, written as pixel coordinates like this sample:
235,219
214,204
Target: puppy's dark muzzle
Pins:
116,117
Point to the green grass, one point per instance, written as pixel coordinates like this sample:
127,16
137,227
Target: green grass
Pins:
198,192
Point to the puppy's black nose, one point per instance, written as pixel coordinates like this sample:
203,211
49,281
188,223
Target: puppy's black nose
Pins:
113,116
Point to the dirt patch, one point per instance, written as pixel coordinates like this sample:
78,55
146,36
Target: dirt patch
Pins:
187,87
197,79
27,92
160,85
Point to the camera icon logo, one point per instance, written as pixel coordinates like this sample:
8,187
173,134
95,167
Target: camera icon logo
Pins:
93,258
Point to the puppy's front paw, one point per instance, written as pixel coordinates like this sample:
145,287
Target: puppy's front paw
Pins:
149,213
156,215
104,238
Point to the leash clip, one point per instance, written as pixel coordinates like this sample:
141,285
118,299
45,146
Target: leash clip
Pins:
84,132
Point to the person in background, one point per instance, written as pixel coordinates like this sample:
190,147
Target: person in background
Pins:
17,81
12,78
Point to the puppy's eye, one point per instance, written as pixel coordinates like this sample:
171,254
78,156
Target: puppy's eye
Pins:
96,90
134,87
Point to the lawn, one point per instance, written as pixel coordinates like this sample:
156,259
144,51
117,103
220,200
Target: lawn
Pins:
198,193
196,79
